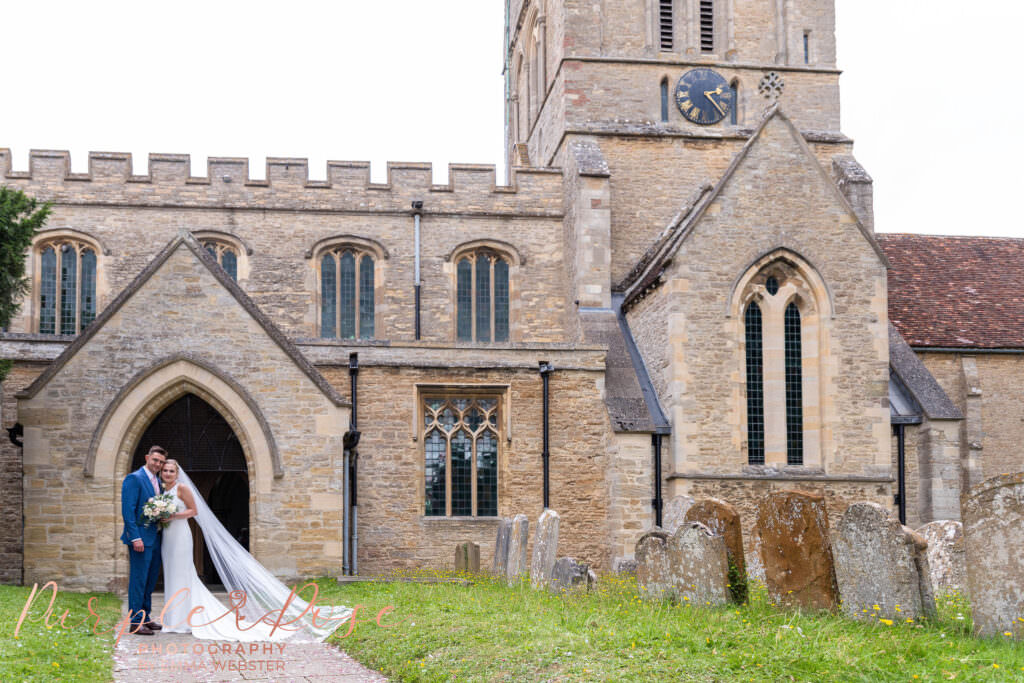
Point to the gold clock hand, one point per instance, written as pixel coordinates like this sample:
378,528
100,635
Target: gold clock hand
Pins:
709,93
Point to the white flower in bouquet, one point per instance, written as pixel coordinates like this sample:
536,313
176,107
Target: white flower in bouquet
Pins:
159,509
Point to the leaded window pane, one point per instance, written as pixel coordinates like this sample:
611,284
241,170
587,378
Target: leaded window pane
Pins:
794,388
212,248
87,302
462,474
229,262
500,300
436,455
366,297
464,297
68,289
483,298
755,385
328,294
48,292
487,474
347,296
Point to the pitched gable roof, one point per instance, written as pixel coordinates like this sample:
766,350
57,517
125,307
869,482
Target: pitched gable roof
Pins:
187,240
956,292
647,273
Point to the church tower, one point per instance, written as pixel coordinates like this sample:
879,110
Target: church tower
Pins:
667,90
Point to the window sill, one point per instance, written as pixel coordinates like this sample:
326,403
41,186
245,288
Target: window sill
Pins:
483,521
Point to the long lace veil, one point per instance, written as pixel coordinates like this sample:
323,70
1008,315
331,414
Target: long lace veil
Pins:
264,593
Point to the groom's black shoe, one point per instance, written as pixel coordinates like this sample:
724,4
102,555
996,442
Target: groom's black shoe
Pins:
142,631
153,626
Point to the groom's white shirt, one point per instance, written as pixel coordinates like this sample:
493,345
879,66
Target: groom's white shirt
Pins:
156,490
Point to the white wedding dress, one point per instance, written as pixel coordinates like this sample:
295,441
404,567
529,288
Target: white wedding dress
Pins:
240,571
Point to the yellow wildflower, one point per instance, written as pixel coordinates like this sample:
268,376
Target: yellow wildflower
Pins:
887,622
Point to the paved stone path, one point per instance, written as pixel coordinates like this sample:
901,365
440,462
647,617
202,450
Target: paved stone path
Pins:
179,657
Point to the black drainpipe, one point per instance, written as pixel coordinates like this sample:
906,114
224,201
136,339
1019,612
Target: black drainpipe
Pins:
417,211
351,540
15,434
901,476
657,501
545,373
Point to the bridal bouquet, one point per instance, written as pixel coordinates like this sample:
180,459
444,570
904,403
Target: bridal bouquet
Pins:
159,509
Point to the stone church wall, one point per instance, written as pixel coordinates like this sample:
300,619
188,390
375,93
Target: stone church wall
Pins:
393,531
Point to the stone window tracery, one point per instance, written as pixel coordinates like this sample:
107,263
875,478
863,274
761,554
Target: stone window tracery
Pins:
347,293
482,296
460,443
780,305
66,291
225,254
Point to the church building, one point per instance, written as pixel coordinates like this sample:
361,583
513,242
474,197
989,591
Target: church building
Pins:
677,290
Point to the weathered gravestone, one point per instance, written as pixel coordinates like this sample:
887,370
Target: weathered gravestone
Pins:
500,564
675,513
690,565
792,528
993,515
519,536
946,555
545,548
881,564
723,520
569,575
467,557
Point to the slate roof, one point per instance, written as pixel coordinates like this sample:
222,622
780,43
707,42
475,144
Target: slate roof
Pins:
918,381
957,292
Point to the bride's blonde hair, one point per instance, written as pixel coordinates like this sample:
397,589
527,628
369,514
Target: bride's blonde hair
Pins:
177,467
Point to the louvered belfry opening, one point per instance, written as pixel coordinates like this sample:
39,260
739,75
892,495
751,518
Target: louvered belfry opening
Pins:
665,24
707,26
203,443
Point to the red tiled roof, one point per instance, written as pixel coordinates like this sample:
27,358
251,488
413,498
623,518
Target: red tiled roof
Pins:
956,291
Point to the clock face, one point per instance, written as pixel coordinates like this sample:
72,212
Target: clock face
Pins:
703,96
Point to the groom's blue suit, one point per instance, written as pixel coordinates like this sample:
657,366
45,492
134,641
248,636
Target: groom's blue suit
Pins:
144,567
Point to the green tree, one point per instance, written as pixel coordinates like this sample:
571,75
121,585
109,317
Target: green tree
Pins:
20,217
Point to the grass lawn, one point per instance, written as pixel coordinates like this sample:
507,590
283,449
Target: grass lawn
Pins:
492,632
39,653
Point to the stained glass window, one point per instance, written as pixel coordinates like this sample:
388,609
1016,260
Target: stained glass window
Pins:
460,439
67,287
347,294
755,385
794,388
482,298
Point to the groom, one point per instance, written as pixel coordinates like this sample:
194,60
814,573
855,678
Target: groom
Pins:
143,541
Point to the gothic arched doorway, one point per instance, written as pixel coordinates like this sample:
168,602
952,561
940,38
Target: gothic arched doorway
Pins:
202,441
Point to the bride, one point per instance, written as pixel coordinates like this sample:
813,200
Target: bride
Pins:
246,579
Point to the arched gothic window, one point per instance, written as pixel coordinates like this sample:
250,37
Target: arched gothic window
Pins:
347,293
67,286
225,254
780,302
460,440
482,296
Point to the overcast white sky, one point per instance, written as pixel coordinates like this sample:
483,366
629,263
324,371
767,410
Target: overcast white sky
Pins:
931,91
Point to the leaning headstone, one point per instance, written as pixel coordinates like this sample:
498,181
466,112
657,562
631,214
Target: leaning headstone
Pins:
624,565
500,565
792,528
946,556
881,566
545,548
690,566
653,571
518,538
467,557
569,575
723,520
675,513
993,515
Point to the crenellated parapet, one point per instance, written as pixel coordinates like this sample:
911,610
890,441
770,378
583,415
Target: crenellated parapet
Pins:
471,188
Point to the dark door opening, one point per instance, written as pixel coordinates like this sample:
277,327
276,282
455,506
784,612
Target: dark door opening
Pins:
202,441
